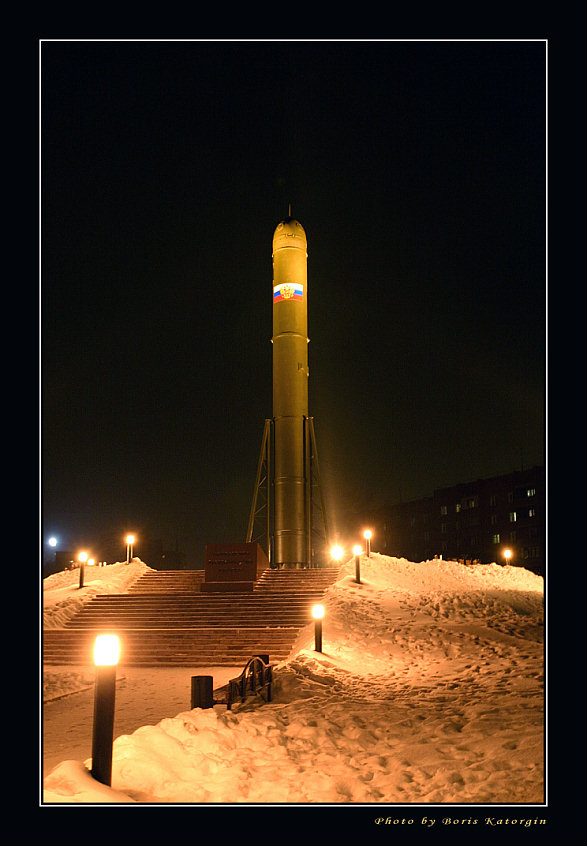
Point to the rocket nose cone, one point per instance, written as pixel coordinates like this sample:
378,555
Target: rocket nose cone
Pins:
289,233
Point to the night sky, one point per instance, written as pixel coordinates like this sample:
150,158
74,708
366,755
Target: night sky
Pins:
417,170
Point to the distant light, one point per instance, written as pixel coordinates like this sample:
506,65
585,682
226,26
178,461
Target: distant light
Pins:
318,612
357,550
337,552
106,650
91,561
130,539
367,535
507,554
83,557
52,541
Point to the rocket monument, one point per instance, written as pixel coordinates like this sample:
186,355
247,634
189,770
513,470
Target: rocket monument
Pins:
288,461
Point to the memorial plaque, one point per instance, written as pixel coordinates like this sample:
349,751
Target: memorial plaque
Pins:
233,566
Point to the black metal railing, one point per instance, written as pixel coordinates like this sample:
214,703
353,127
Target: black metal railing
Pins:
256,677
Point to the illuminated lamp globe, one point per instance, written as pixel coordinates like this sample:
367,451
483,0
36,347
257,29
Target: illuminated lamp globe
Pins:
318,612
106,650
337,552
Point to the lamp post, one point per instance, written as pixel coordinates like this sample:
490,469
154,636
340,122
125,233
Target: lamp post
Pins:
318,614
106,655
82,558
507,554
367,535
357,553
130,539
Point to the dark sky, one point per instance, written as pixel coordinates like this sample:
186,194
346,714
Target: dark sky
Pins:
418,172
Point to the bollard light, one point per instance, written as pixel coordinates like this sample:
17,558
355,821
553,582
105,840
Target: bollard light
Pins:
507,554
357,553
318,614
106,656
368,535
130,539
82,558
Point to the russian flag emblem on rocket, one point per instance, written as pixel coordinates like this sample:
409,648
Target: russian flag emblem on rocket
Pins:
288,291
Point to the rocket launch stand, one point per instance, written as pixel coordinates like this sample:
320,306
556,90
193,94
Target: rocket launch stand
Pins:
261,528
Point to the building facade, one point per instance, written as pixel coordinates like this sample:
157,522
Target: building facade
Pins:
473,522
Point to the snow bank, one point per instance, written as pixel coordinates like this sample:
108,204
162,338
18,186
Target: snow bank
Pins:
429,689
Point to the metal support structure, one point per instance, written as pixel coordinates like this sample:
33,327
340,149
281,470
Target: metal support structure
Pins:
262,505
261,527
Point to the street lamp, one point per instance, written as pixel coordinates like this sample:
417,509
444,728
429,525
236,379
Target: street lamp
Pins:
82,558
106,655
52,542
130,539
318,614
507,554
368,534
357,553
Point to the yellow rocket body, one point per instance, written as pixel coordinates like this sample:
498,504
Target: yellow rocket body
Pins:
290,393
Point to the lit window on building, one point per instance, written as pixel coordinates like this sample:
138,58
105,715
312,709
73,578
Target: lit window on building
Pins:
513,516
531,512
531,492
495,538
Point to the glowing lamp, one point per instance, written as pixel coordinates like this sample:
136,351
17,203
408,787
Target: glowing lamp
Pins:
507,554
52,541
318,612
357,550
337,552
106,650
130,539
368,535
83,557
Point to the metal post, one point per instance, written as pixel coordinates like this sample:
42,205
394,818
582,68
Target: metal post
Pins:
318,635
81,575
358,569
104,696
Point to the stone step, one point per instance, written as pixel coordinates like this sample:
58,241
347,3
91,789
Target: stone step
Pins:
227,646
164,620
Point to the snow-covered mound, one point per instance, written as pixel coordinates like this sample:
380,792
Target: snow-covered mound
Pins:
63,597
428,689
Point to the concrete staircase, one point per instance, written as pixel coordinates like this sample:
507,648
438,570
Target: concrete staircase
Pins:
164,620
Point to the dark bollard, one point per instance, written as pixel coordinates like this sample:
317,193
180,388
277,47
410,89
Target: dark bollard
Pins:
318,613
105,658
81,575
202,692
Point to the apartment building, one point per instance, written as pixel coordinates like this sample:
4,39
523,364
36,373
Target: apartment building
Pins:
474,521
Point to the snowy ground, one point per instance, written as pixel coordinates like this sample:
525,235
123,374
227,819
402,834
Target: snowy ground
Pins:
429,690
